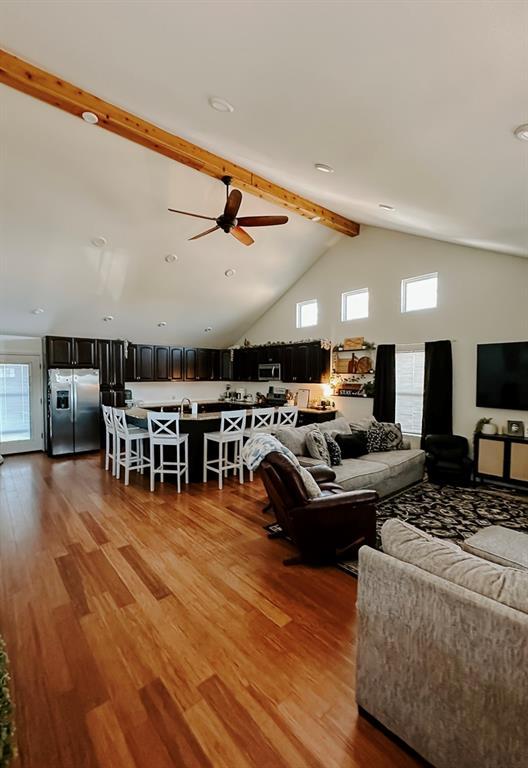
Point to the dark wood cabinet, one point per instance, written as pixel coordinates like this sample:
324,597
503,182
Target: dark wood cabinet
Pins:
104,354
145,362
161,364
118,363
131,373
85,353
176,363
190,364
111,361
225,365
66,352
203,364
59,352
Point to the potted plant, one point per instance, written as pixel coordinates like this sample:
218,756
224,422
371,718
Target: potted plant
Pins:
486,426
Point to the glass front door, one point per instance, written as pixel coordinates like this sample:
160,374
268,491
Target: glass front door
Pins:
20,404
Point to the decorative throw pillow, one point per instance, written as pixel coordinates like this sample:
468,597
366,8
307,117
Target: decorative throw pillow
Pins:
384,436
352,446
333,449
316,445
362,425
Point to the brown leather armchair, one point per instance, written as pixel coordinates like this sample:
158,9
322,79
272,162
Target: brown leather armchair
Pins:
323,528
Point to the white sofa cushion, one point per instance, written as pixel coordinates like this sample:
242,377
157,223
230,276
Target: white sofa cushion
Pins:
294,438
335,426
499,545
448,561
394,459
355,473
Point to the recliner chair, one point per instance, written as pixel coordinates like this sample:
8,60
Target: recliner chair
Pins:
322,528
447,459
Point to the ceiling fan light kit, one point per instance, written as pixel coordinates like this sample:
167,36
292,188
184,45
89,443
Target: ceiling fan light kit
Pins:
228,221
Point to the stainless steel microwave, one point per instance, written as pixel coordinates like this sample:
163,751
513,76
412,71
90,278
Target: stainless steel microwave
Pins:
269,372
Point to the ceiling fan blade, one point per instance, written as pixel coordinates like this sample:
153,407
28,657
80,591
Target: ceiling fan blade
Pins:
196,215
207,232
233,204
261,221
241,236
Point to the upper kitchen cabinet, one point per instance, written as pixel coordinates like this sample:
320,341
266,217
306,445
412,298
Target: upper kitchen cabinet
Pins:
190,364
225,365
161,364
85,353
131,373
145,362
111,357
176,363
67,352
59,352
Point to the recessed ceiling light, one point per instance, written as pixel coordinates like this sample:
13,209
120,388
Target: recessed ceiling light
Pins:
162,324
90,117
386,207
108,318
324,168
221,105
99,242
315,218
208,329
170,258
37,311
521,132
230,272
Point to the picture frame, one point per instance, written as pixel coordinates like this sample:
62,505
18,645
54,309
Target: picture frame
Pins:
303,398
515,428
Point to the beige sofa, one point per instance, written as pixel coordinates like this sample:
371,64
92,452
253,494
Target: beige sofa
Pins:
384,472
442,657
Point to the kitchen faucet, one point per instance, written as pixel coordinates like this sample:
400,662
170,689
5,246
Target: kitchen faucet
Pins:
182,402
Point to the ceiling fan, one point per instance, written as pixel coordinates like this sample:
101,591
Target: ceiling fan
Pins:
228,220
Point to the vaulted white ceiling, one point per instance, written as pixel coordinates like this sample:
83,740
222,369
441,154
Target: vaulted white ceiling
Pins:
64,182
413,104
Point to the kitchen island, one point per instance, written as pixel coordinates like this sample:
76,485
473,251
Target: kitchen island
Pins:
197,426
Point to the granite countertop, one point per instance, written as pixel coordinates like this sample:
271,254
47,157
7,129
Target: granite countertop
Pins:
140,412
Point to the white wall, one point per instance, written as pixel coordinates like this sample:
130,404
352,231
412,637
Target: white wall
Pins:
482,297
20,345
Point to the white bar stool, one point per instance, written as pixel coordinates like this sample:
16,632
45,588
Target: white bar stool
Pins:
262,420
110,445
164,430
232,426
132,457
287,416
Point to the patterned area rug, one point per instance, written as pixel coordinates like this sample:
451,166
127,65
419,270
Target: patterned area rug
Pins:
448,512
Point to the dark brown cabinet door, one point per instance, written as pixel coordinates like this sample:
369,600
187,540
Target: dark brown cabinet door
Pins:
145,362
118,364
286,360
131,373
161,363
176,363
59,352
318,363
225,372
85,353
190,364
104,356
300,363
203,365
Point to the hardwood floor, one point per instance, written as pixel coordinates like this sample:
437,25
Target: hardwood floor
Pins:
156,630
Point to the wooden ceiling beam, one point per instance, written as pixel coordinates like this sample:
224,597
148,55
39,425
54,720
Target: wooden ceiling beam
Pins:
25,77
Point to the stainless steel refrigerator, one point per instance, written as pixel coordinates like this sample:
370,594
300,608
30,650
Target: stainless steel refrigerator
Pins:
73,410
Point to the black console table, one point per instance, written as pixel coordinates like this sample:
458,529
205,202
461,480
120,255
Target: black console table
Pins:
501,458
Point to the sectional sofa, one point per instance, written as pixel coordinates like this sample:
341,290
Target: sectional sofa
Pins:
384,472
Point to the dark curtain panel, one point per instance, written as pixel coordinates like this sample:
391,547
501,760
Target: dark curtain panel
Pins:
385,383
438,389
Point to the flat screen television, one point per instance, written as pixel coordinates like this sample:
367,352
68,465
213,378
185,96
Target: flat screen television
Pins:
502,376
